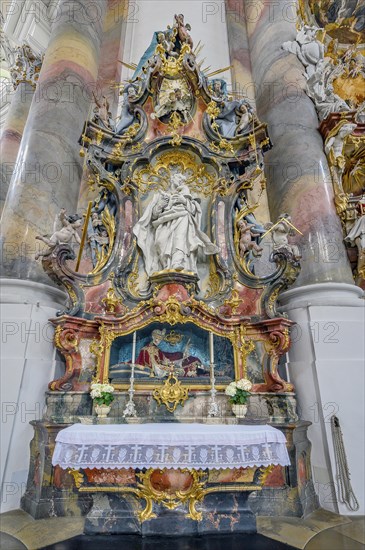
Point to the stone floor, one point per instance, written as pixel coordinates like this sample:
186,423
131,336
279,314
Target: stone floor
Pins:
321,530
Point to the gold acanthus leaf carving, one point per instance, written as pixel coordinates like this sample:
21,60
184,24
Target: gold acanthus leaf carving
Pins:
111,301
171,500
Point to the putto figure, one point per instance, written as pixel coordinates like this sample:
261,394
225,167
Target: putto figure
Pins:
64,231
169,233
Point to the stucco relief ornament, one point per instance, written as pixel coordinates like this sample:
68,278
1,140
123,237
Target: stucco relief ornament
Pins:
169,233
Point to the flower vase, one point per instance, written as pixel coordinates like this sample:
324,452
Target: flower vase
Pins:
102,411
239,411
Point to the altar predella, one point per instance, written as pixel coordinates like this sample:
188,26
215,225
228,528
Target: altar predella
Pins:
172,289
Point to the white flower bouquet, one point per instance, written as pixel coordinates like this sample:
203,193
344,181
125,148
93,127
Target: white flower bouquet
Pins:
102,394
238,392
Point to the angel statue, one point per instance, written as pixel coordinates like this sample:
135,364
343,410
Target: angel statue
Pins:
64,231
169,234
281,231
183,36
247,236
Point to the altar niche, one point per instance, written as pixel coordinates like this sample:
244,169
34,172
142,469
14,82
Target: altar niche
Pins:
160,349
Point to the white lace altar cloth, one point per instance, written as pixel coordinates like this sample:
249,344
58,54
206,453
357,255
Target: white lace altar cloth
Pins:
169,445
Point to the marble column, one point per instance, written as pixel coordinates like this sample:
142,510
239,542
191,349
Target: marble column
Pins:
112,52
242,83
109,75
11,135
24,72
47,178
239,50
327,352
48,171
299,180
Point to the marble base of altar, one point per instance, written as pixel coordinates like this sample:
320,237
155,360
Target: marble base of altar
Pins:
222,513
68,407
50,492
183,478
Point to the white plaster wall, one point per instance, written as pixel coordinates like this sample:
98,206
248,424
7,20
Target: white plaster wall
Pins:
28,363
208,24
327,367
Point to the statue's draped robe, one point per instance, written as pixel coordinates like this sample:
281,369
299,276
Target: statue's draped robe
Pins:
176,230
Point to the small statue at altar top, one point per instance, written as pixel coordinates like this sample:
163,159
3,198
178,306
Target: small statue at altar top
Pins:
244,117
169,234
128,114
164,38
173,101
235,118
281,231
246,240
64,232
183,30
218,89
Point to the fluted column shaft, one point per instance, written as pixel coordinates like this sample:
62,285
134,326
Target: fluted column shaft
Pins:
12,133
298,176
48,171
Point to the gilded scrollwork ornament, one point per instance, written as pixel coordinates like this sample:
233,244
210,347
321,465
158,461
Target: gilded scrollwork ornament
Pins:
171,393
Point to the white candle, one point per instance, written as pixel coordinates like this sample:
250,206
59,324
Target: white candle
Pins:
134,349
212,378
211,348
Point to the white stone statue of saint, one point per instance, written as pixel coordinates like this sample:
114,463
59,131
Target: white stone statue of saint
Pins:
169,234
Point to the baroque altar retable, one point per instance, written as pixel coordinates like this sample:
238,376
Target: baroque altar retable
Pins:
172,294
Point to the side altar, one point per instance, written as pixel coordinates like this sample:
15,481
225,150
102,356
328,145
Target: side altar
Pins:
172,289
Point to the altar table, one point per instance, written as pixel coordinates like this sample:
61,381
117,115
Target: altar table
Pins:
169,445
